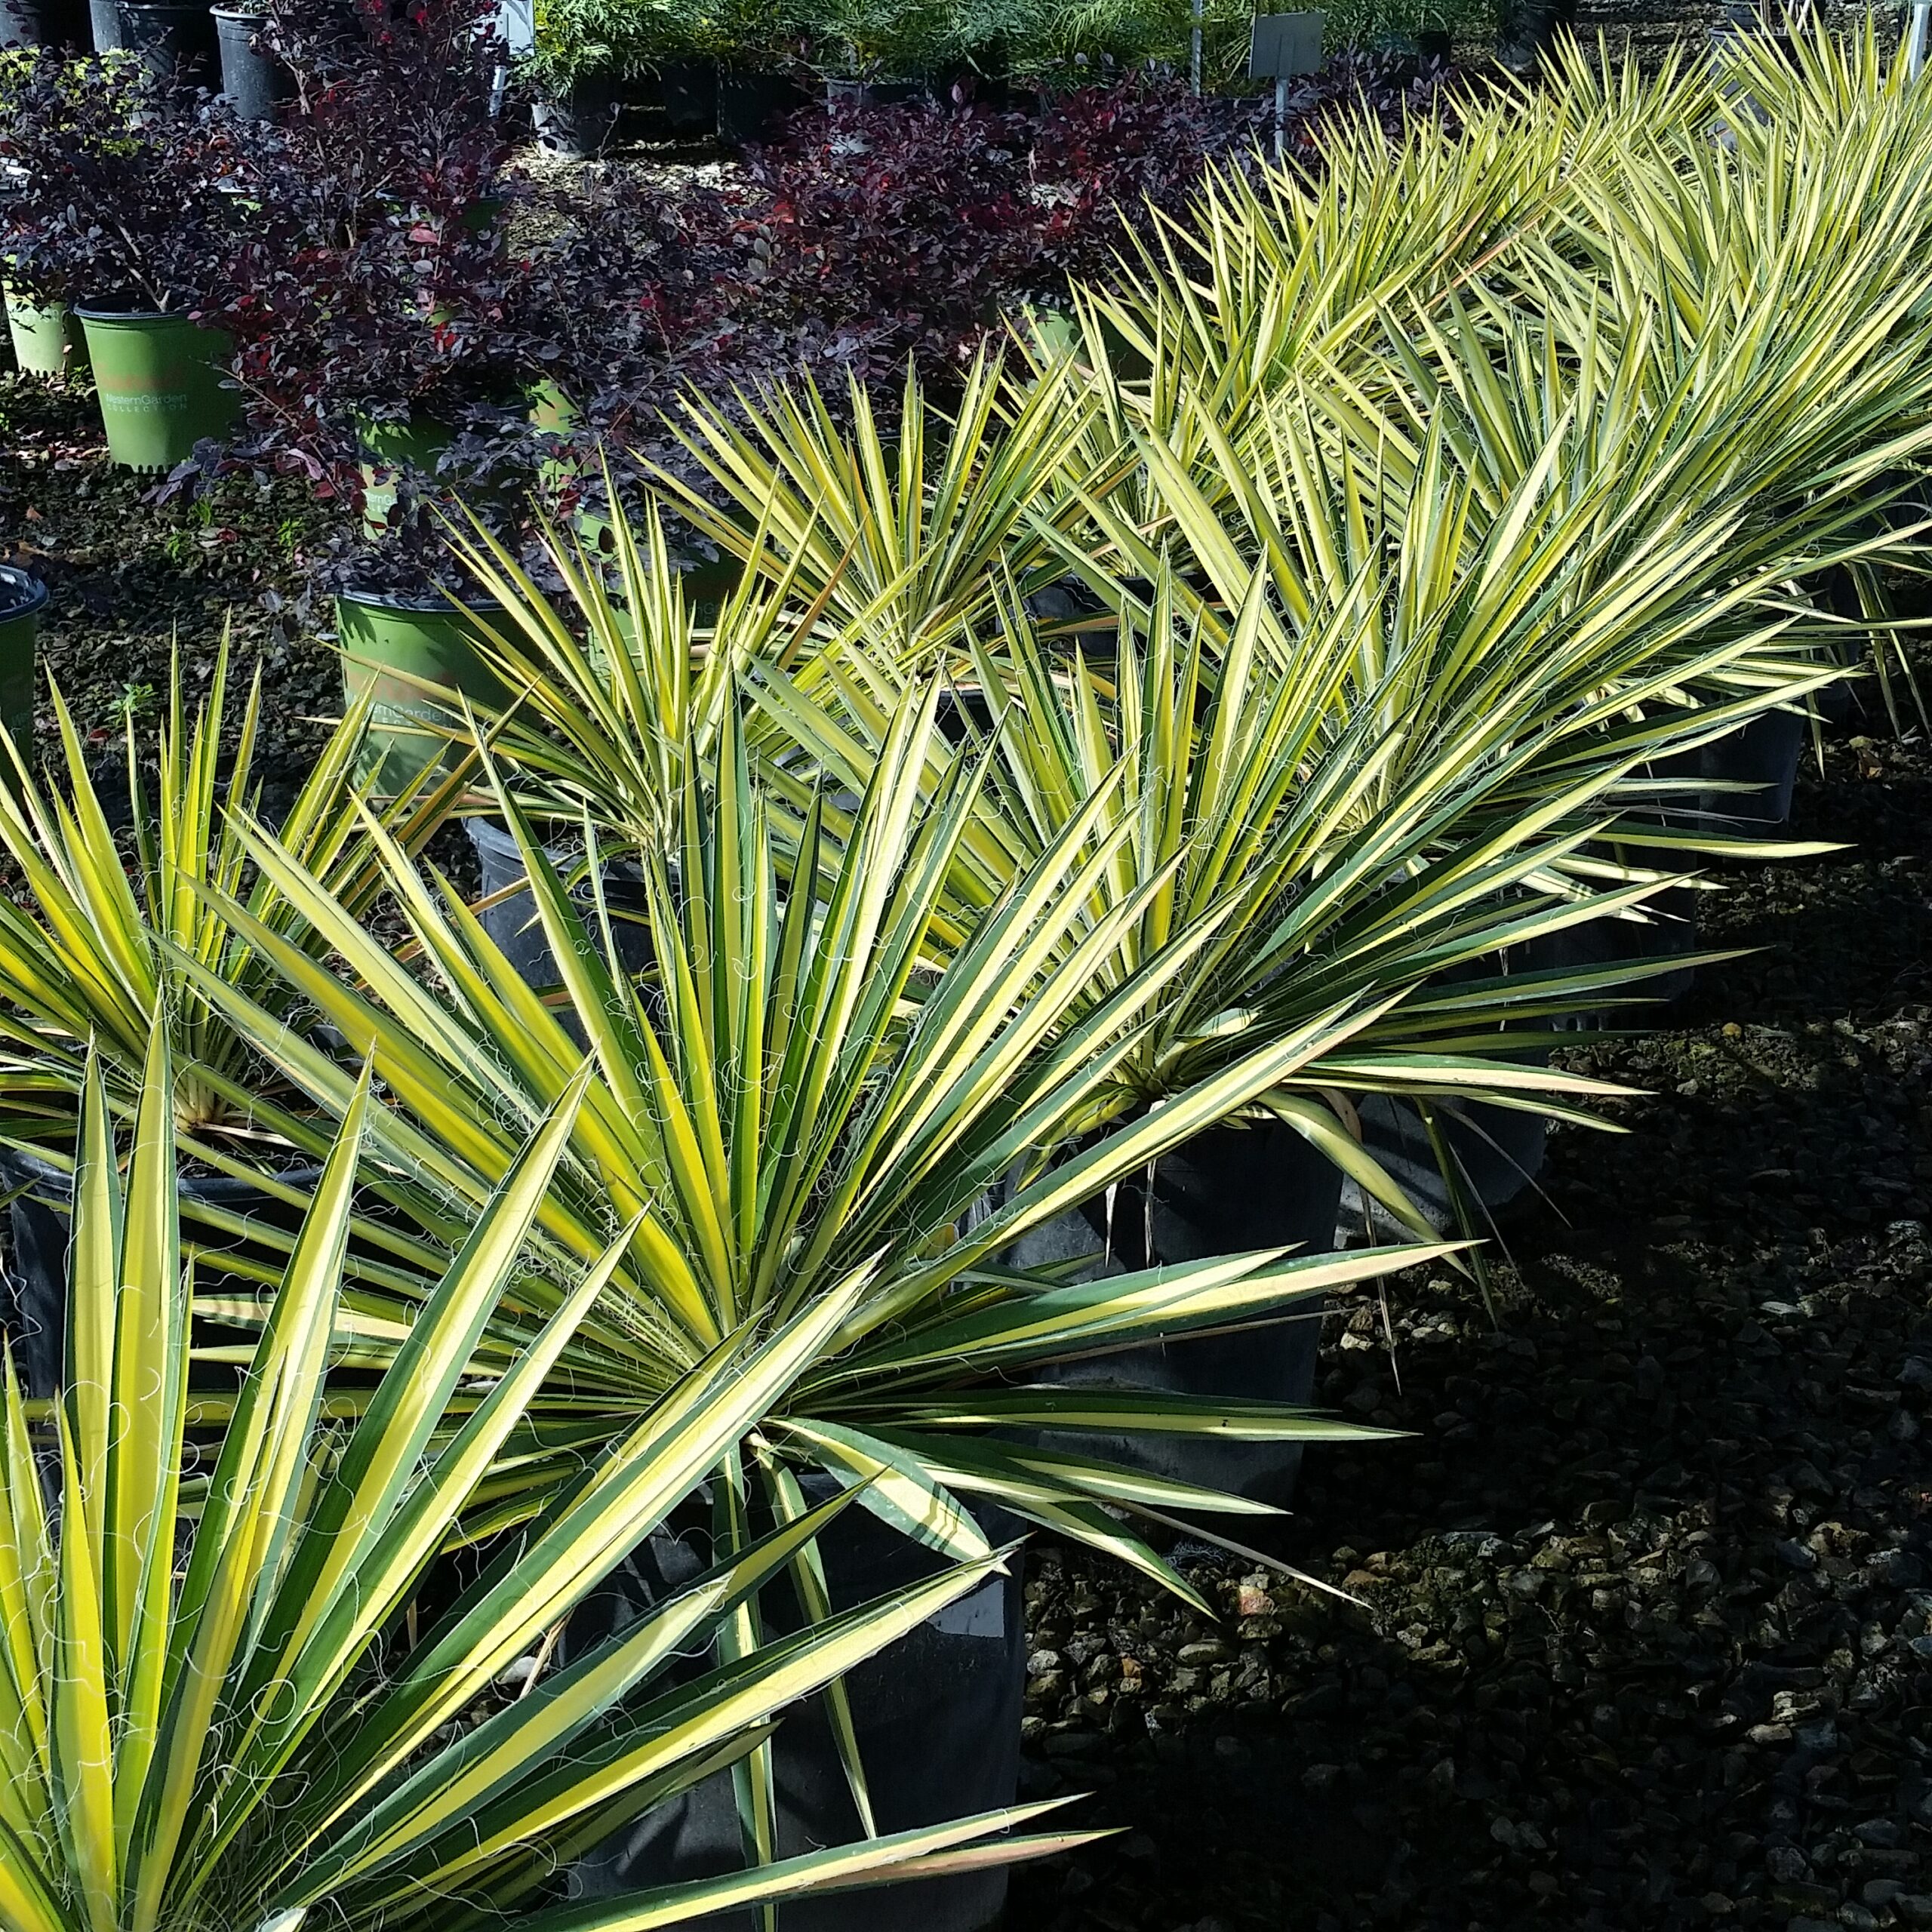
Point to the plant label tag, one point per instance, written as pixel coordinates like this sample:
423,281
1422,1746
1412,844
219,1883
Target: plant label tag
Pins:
1285,44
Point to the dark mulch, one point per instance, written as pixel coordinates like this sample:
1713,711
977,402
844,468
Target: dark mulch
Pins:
1646,1632
130,580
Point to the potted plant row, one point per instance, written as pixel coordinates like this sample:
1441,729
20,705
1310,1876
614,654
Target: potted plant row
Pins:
126,203
920,992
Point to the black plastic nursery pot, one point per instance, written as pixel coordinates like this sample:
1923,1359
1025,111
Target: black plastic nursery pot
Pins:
513,923
175,43
408,647
841,94
42,23
47,341
580,123
254,83
1763,755
1499,1152
1530,29
22,600
750,106
1226,1192
938,1717
159,380
33,1293
688,93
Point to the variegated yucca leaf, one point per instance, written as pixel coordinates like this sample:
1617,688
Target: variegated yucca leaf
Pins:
898,538
798,1108
216,1710
88,949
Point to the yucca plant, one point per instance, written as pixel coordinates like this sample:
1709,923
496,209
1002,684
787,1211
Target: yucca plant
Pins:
1331,866
797,1105
1212,313
90,952
219,1711
611,686
893,531
1800,242
1596,247
795,1095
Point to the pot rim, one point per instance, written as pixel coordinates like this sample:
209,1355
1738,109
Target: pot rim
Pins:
431,603
30,593
140,318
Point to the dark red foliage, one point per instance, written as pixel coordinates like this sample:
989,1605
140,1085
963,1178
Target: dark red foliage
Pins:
373,289
888,232
126,194
382,262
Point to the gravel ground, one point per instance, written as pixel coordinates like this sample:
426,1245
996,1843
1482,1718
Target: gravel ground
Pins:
127,578
1645,1632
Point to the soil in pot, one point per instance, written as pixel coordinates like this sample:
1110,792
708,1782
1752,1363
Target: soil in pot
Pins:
1228,1191
159,381
938,1717
175,43
581,124
254,83
401,645
47,341
513,923
22,599
750,107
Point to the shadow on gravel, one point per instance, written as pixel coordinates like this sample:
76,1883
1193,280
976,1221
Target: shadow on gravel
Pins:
1646,1632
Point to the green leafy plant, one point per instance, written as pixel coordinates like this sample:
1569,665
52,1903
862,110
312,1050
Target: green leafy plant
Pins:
573,39
796,1099
217,1711
757,35
868,40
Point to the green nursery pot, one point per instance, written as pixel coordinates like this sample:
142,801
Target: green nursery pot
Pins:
46,341
390,642
387,447
22,599
551,409
159,380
